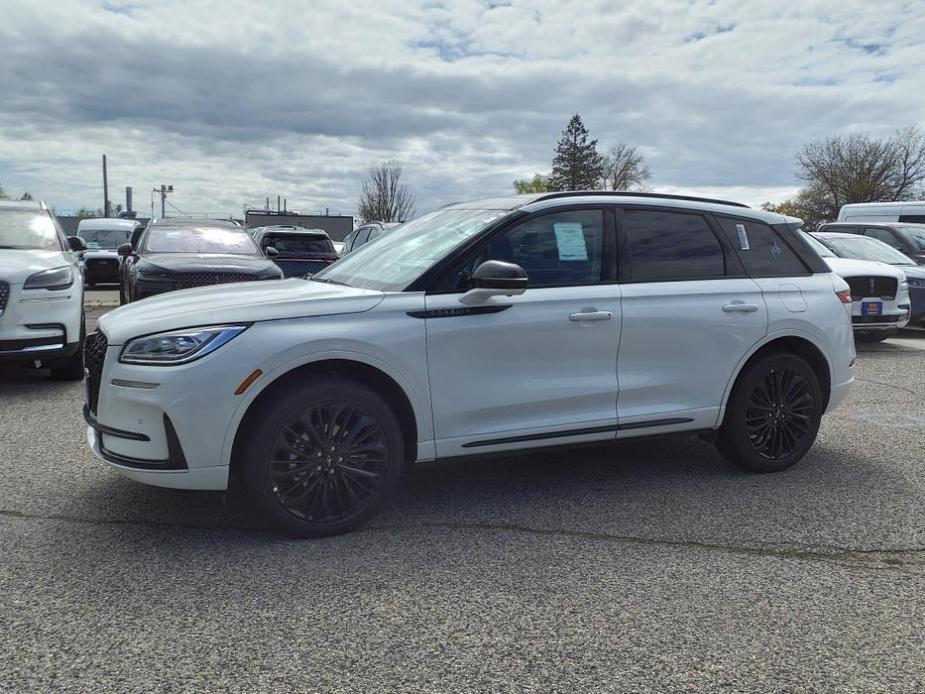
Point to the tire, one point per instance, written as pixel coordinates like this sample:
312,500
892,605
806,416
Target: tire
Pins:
73,368
301,478
746,440
122,300
878,336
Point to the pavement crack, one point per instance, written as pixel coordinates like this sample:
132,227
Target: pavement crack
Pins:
887,385
880,559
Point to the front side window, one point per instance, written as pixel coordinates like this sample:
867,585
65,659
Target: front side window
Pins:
28,230
665,245
917,236
885,235
762,251
403,255
555,249
206,240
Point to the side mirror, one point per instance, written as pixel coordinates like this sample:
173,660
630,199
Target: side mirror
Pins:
125,250
270,252
495,278
76,244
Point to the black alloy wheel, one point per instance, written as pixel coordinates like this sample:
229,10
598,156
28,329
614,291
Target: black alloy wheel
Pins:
328,461
773,414
321,457
779,414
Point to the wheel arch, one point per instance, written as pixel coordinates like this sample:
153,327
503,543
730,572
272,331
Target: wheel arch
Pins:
802,345
348,368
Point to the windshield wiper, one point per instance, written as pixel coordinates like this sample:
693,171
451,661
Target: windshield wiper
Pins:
325,280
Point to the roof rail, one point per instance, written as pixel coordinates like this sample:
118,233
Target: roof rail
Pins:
626,193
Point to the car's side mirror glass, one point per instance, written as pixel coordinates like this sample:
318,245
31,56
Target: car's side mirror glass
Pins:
125,250
270,252
495,278
76,244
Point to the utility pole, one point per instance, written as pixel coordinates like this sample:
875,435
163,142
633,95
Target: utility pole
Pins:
105,190
162,191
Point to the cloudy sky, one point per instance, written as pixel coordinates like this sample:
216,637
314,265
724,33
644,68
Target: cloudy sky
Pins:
234,100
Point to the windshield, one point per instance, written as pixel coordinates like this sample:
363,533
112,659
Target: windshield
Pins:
403,255
104,238
27,230
818,246
207,240
916,235
865,248
292,245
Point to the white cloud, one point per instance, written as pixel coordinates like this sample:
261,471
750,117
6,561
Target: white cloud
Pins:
232,100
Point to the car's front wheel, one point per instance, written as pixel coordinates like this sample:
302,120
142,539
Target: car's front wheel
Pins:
322,457
73,368
773,414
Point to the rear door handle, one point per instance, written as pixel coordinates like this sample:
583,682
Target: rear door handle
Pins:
583,316
740,307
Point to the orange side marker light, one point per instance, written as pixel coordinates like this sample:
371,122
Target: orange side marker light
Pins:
246,383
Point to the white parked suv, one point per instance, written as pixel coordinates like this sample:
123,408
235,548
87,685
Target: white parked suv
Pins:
482,327
41,291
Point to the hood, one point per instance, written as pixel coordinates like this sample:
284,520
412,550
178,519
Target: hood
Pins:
206,262
245,302
17,265
849,267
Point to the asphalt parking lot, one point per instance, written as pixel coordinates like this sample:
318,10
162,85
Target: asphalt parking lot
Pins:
646,566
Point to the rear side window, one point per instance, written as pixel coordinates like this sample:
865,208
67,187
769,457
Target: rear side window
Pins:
666,245
763,252
296,244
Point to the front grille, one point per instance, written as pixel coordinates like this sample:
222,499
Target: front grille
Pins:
864,287
4,296
188,280
95,348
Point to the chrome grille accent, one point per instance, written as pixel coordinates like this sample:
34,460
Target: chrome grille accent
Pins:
95,347
4,296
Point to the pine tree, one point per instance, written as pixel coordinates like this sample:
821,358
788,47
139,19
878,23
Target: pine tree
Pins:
577,165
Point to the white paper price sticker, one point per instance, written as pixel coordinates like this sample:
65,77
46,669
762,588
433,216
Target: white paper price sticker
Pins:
743,237
570,240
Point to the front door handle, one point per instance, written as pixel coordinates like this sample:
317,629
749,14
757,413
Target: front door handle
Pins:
740,307
589,315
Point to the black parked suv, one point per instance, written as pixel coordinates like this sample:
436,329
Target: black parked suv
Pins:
188,253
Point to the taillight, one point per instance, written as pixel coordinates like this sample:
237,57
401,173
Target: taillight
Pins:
844,295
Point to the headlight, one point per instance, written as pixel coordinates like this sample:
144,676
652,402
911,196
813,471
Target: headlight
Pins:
903,285
916,283
178,346
59,278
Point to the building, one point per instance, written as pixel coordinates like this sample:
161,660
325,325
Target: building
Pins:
337,226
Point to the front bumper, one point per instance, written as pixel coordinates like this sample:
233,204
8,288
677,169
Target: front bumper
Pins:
41,325
100,270
167,425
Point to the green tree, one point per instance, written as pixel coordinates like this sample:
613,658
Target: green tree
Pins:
577,164
538,184
809,204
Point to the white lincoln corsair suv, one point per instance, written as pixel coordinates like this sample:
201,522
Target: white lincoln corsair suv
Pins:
41,291
482,327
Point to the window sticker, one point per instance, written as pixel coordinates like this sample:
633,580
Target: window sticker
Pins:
776,250
570,239
743,237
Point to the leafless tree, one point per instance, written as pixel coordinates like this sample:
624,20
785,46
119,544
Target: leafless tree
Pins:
843,169
384,197
625,168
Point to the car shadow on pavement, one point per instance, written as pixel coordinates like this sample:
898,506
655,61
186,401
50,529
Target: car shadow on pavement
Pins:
660,486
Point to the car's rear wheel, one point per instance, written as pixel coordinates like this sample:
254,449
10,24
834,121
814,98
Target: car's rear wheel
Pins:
323,457
773,414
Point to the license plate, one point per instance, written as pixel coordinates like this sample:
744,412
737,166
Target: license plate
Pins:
872,308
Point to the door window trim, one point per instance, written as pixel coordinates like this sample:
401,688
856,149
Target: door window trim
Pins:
609,273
